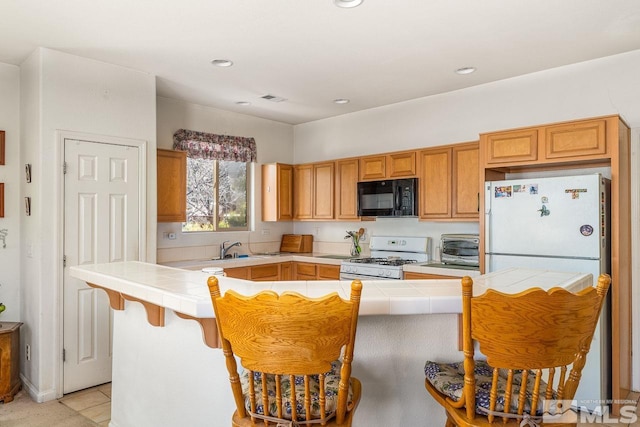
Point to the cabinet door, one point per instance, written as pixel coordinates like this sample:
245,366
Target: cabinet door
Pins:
373,167
328,272
511,146
237,272
323,187
587,138
401,165
303,192
286,271
347,189
264,272
305,271
172,186
435,185
277,192
465,184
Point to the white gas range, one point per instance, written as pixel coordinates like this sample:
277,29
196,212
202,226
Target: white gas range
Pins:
388,255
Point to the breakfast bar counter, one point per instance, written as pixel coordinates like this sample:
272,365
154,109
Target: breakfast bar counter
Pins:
167,369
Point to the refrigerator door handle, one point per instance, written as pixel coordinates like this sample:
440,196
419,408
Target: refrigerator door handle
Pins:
487,219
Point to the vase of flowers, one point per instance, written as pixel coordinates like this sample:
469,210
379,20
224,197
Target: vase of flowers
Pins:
355,241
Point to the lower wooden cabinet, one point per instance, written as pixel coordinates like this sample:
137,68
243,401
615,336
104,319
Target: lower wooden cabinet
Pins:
285,271
328,272
311,271
237,272
305,271
264,272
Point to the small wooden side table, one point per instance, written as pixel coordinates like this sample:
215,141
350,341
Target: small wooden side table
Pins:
9,360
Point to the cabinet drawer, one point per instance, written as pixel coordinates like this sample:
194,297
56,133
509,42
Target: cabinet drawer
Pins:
516,146
576,140
265,272
328,272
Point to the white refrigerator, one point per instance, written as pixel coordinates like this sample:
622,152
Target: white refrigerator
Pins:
561,224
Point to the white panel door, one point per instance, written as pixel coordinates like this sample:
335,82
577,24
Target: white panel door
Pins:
101,224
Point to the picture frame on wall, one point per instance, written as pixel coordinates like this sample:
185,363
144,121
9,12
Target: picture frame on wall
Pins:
1,147
27,206
27,172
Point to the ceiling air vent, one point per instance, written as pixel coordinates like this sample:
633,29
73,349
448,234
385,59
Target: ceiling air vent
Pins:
273,98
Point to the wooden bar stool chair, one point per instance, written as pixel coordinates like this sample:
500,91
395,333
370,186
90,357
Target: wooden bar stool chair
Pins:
290,349
535,343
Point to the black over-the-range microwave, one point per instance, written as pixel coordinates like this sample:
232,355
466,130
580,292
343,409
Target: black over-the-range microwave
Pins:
388,198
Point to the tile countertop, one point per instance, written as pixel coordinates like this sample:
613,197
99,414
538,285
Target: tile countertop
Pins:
425,268
185,291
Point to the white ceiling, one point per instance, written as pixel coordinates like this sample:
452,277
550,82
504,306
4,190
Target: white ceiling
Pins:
311,52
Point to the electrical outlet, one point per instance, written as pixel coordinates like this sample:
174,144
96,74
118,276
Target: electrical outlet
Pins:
172,236
28,352
266,232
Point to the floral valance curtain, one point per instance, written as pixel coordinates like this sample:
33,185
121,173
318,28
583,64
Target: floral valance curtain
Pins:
203,145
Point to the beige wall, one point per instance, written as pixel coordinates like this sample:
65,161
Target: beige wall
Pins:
274,142
62,92
12,177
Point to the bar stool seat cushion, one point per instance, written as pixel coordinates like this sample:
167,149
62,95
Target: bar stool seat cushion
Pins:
448,379
332,383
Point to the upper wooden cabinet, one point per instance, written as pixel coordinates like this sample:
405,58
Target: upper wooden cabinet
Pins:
386,166
449,183
313,191
465,182
573,140
277,192
514,146
346,196
172,185
581,140
323,190
435,183
303,191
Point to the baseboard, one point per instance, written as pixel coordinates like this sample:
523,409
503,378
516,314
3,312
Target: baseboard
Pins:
34,393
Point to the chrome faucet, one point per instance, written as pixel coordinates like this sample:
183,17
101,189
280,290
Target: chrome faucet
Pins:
224,249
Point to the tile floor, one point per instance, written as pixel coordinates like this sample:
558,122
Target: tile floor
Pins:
93,403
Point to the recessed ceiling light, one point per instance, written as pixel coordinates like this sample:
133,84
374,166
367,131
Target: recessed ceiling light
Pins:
243,103
347,3
465,70
222,62
341,101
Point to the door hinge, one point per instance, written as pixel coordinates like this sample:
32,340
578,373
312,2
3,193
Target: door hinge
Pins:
64,355
64,168
64,261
